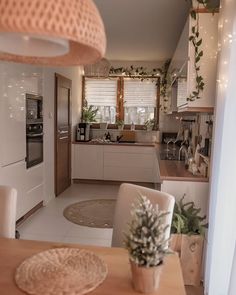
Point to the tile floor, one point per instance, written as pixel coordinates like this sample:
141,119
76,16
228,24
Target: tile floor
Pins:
49,224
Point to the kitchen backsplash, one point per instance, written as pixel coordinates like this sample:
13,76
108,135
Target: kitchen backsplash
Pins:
140,135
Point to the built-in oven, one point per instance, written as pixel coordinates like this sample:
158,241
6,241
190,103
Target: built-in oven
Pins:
34,130
34,144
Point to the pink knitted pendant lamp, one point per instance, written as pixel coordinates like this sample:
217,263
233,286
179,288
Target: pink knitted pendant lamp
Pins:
51,32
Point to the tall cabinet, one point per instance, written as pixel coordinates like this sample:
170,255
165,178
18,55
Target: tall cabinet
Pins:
182,67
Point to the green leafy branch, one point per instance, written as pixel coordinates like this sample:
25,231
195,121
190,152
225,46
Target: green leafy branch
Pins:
186,219
196,41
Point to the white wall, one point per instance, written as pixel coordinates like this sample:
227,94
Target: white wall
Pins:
75,74
222,215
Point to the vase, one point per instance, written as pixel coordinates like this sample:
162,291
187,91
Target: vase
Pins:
196,4
145,279
103,125
149,128
120,127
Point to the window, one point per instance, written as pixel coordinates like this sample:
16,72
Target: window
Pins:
140,101
129,99
102,94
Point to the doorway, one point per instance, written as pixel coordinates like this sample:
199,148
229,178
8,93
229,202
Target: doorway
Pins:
62,133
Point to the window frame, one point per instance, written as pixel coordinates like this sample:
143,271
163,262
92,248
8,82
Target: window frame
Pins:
120,100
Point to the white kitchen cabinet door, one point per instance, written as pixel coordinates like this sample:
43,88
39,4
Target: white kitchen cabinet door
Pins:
198,192
87,161
15,176
129,164
34,177
208,65
13,126
33,198
183,64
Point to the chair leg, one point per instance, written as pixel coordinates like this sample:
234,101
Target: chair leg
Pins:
17,235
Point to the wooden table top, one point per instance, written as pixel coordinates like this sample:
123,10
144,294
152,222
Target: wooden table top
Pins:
118,281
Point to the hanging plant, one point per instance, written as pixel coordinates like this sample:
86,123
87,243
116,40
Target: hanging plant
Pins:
196,41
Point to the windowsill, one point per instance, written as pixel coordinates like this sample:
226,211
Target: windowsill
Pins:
126,127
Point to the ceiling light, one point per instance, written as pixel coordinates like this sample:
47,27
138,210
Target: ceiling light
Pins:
49,32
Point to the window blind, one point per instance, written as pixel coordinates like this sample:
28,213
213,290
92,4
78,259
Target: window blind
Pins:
101,92
139,93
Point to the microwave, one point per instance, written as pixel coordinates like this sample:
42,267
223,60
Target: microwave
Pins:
34,108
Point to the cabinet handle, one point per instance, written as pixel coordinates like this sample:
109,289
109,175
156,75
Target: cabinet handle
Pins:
63,132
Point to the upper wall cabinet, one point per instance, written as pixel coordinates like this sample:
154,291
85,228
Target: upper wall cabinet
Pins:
182,67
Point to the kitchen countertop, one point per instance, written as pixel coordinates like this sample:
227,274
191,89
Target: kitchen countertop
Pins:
147,144
172,170
175,170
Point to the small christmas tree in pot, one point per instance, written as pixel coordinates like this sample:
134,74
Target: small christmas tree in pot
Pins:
147,245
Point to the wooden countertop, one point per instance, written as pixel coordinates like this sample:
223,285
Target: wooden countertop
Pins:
175,170
147,144
118,281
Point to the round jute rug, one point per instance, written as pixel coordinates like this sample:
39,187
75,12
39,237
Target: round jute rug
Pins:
93,213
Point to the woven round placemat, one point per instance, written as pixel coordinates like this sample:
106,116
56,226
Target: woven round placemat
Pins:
61,271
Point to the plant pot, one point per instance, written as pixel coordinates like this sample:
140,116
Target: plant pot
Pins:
145,279
121,127
103,126
149,128
190,249
196,4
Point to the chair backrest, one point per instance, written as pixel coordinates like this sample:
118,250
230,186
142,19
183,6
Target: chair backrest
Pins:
8,199
127,195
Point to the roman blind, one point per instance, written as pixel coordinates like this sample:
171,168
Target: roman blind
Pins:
139,93
101,92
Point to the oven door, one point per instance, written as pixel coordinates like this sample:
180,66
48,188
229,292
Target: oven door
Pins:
34,149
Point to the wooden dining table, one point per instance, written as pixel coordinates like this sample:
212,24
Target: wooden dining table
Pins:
118,281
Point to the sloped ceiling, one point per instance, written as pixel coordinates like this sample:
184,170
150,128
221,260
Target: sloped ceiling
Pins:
145,30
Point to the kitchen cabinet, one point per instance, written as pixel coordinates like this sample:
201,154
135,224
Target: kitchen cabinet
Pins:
15,82
182,71
87,161
15,176
117,163
129,163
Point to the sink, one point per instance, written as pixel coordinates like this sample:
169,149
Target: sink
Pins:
169,156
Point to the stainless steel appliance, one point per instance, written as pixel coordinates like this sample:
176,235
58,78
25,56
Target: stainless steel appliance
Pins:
34,108
34,130
83,132
34,144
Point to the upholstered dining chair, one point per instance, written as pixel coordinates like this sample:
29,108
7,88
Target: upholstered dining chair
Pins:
127,195
8,199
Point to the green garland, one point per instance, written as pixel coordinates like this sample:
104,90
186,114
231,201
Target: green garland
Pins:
142,73
196,41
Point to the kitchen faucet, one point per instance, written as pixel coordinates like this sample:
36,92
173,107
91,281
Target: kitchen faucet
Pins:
118,138
183,149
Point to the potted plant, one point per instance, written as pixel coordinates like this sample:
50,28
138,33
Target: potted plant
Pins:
146,244
188,230
149,124
120,124
89,114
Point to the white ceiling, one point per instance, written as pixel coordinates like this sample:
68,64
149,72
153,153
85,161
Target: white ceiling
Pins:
142,30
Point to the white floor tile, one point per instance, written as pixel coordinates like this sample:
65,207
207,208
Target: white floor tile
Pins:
49,224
